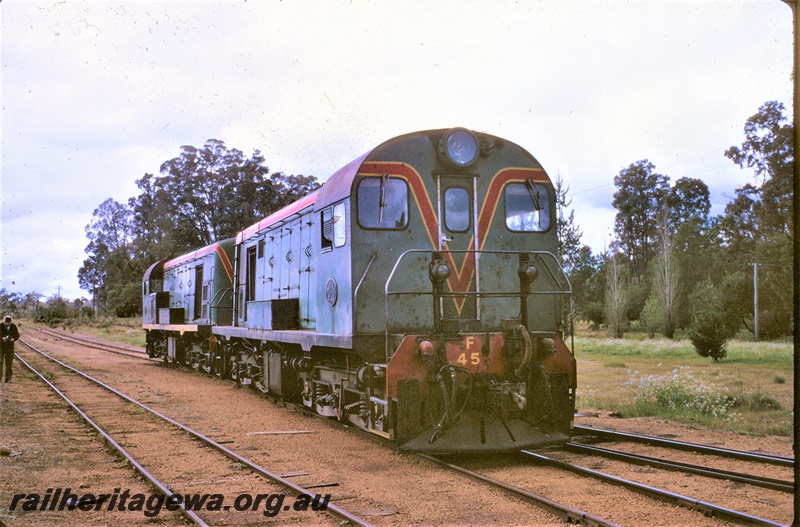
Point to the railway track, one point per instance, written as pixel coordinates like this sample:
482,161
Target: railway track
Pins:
512,481
616,435
569,514
378,511
111,348
135,442
708,509
740,477
576,516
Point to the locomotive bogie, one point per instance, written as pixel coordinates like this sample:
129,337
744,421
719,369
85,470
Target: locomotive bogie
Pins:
416,295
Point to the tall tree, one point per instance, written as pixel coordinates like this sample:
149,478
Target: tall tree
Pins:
666,284
588,286
688,198
617,294
641,194
758,225
769,150
110,251
212,192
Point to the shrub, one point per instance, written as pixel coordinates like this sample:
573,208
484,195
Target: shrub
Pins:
757,402
652,316
679,392
711,322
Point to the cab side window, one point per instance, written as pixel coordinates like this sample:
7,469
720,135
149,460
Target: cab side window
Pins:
527,207
382,203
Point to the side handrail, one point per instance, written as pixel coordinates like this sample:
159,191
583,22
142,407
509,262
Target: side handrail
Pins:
358,286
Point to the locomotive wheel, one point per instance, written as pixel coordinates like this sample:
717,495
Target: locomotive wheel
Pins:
262,383
207,365
235,372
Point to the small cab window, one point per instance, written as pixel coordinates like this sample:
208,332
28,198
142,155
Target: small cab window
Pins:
382,203
456,209
327,229
527,207
334,227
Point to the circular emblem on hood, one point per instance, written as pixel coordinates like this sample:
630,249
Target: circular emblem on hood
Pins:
331,292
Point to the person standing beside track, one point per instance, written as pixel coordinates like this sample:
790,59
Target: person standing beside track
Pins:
8,335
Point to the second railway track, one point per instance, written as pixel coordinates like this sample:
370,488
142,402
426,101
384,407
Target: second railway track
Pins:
232,496
84,341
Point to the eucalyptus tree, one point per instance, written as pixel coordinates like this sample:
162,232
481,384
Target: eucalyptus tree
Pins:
758,226
201,196
641,195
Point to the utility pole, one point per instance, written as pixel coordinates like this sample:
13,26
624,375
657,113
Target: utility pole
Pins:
755,302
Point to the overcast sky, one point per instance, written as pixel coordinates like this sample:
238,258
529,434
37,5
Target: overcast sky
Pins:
96,94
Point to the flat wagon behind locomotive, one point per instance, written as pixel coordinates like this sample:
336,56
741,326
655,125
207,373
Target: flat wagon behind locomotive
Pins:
416,295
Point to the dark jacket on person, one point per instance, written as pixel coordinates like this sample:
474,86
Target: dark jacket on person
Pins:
8,331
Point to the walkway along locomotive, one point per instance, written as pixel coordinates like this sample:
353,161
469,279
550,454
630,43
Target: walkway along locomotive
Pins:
416,294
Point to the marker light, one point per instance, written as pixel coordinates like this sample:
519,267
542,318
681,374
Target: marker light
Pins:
549,347
459,147
439,271
528,272
426,347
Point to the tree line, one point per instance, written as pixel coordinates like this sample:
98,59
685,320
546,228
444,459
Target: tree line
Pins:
202,196
674,266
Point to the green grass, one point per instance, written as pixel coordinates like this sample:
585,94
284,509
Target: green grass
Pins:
124,330
739,352
750,391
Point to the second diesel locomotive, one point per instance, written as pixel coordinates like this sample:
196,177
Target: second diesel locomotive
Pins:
416,294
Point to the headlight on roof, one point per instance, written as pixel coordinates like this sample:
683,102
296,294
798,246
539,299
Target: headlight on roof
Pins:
459,147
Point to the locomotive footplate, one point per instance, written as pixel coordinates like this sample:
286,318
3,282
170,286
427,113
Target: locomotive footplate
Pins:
476,433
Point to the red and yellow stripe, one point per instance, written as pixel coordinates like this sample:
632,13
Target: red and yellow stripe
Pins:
213,248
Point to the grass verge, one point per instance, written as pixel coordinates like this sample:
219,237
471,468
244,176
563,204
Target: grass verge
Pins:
751,391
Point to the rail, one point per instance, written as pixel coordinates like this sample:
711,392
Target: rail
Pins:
166,491
739,477
334,510
682,445
709,509
569,514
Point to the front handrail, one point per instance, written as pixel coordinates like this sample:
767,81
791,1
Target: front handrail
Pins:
567,289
